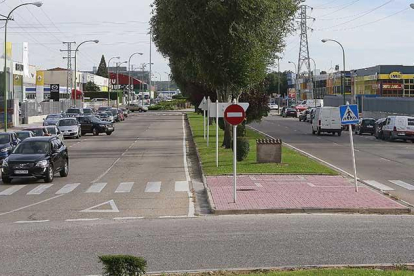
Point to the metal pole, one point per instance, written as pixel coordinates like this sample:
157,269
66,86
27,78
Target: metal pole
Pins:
343,77
204,124
353,156
117,85
217,133
235,163
5,74
150,73
208,121
76,75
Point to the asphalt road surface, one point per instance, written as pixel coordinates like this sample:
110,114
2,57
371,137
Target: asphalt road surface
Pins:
385,165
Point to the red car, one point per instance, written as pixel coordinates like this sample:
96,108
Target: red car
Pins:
121,115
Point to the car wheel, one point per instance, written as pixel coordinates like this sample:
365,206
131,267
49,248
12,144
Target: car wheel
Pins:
83,133
65,171
50,174
313,132
339,133
95,132
108,133
6,180
319,132
412,141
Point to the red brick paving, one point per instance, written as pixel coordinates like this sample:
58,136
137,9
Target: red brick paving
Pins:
261,192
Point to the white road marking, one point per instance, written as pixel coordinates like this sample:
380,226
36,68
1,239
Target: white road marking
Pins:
127,218
96,188
378,185
12,190
403,184
85,219
124,187
182,186
31,221
191,208
114,208
153,187
28,206
386,159
67,188
40,189
167,217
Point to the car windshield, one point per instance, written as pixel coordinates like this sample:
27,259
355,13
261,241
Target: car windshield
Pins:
73,110
33,147
368,122
95,120
4,138
102,108
114,111
103,115
87,111
53,116
68,122
109,113
23,135
38,132
52,130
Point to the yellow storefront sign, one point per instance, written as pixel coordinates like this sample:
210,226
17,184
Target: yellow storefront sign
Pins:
40,78
395,76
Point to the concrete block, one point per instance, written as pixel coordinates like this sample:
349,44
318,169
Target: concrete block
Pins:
269,151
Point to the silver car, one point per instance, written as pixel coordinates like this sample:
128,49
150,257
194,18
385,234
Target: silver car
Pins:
52,119
54,131
70,127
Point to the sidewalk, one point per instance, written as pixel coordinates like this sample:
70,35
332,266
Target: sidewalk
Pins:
296,194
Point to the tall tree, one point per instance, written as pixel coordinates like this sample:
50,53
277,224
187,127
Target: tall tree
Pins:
102,69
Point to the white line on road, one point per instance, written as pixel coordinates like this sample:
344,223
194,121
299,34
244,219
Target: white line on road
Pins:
67,188
40,189
191,208
12,190
403,184
127,218
385,159
96,188
153,187
31,205
84,219
182,186
168,217
379,186
30,221
124,187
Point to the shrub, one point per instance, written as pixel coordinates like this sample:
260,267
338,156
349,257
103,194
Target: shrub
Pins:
243,148
241,130
123,265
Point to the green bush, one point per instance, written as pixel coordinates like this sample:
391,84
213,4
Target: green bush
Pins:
241,130
243,148
123,265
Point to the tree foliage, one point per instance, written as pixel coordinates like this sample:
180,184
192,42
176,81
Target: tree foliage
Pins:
91,87
102,69
272,83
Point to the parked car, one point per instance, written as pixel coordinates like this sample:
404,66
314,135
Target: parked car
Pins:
115,114
111,117
103,108
283,111
327,119
398,128
126,112
378,127
137,107
38,131
290,112
365,125
54,131
23,135
70,127
303,115
74,112
37,158
104,116
273,106
52,119
8,141
121,115
91,124
88,111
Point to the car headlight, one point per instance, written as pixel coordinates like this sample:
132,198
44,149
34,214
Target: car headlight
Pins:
42,164
102,126
6,162
6,149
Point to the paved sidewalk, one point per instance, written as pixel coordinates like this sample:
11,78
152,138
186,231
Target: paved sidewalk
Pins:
296,193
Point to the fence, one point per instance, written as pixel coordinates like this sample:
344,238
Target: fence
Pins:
29,109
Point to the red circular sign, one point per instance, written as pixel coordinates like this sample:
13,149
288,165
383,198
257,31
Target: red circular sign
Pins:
234,114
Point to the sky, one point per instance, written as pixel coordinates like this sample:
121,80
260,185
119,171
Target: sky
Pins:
373,32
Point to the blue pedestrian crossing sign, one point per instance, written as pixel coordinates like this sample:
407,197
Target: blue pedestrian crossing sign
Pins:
349,114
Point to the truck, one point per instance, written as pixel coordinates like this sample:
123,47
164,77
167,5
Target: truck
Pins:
328,120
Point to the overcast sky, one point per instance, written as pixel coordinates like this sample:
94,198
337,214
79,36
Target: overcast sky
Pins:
372,32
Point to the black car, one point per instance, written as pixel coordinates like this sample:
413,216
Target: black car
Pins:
74,112
37,158
366,125
24,134
88,111
290,112
8,141
378,128
91,124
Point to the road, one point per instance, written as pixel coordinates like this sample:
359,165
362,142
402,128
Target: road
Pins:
385,165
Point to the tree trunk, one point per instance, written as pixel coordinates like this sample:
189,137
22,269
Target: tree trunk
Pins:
227,135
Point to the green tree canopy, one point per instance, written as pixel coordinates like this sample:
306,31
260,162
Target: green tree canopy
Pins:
102,69
91,87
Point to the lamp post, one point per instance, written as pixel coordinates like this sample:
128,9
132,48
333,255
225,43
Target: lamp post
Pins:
160,78
314,80
118,64
109,80
168,79
37,4
76,74
342,75
296,81
129,74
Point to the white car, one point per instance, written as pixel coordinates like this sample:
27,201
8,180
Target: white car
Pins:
70,127
273,106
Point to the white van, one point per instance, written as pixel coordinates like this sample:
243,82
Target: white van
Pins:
398,127
327,119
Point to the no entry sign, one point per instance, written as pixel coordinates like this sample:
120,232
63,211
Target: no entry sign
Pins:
234,114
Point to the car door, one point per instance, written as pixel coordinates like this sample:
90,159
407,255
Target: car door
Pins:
56,155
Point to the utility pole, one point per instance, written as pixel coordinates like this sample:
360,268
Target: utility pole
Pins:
69,57
150,64
304,58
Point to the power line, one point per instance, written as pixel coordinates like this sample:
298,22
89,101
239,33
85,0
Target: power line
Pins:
342,8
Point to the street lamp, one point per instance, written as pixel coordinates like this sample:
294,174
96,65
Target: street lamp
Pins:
76,74
109,80
37,4
342,75
129,74
118,64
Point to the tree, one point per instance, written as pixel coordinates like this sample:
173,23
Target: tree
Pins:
91,87
272,83
102,69
222,45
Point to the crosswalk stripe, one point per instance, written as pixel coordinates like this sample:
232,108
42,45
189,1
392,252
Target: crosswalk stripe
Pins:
403,184
124,187
40,189
12,190
67,188
153,187
182,186
378,185
96,188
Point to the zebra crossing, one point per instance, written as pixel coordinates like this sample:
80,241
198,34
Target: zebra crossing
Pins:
383,187
94,188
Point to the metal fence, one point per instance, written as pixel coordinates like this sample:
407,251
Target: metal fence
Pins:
29,109
335,101
389,105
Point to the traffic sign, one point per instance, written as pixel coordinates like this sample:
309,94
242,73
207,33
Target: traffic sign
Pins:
203,104
234,114
222,107
349,114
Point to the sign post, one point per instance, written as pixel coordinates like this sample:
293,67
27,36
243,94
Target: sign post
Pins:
234,115
203,106
217,133
208,121
350,116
